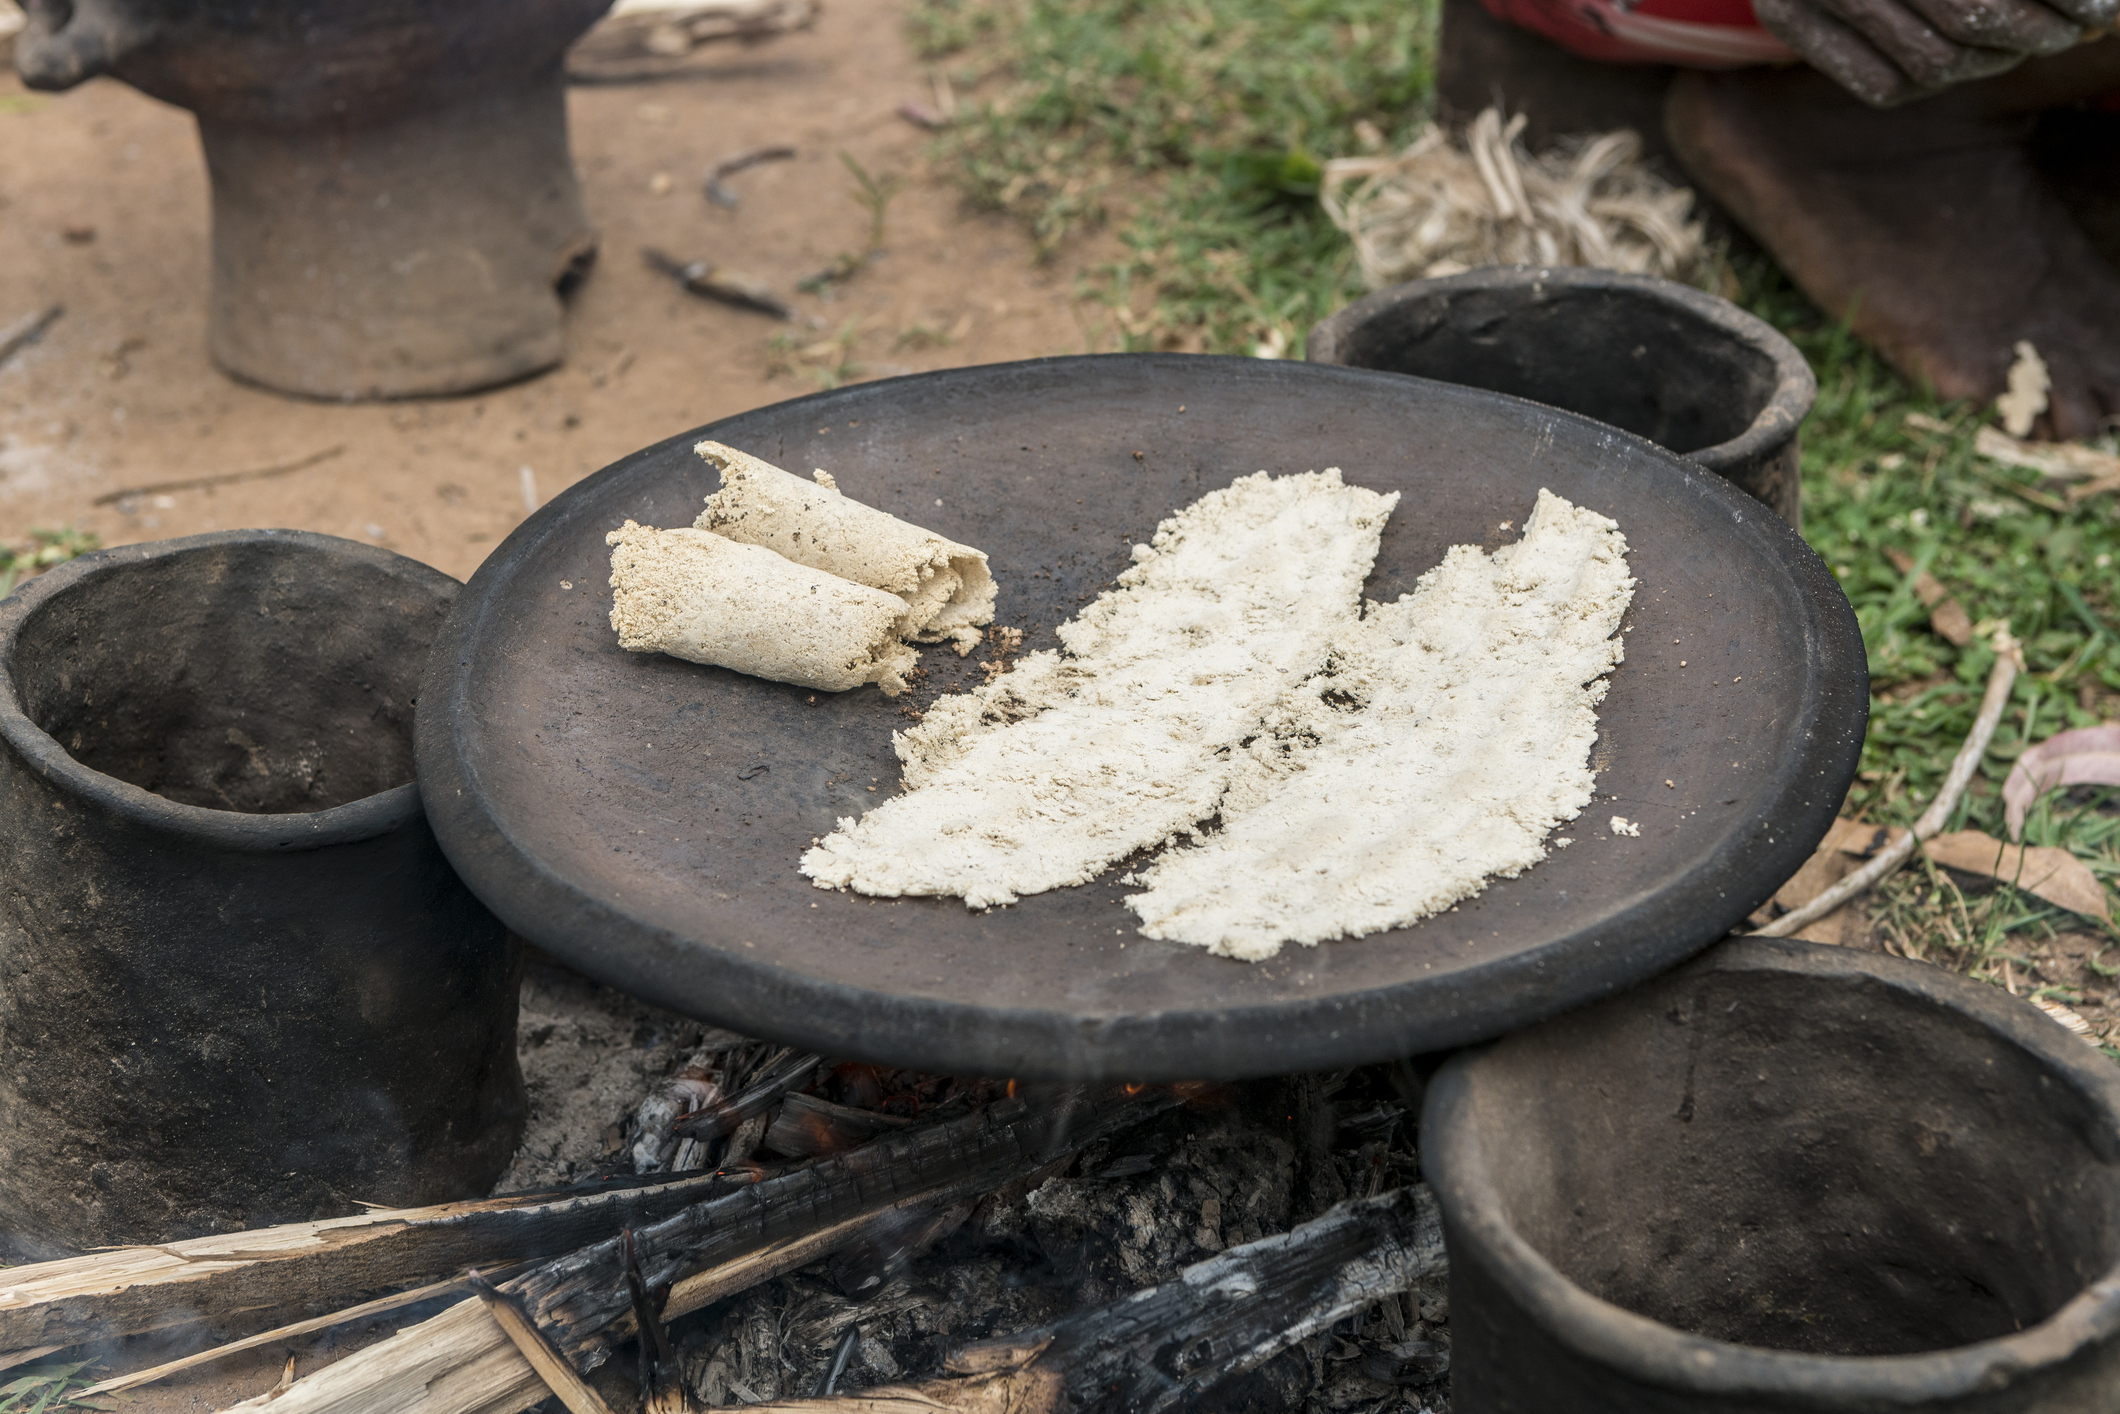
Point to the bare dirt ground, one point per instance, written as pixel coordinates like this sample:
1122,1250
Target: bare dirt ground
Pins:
104,207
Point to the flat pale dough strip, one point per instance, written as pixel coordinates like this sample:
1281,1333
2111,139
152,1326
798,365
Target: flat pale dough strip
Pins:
700,597
1067,764
947,588
1447,738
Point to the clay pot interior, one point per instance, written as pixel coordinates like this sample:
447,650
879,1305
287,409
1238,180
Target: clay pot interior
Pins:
1815,1164
1654,368
235,686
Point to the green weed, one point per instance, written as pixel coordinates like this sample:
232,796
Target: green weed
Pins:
49,1387
1208,120
45,549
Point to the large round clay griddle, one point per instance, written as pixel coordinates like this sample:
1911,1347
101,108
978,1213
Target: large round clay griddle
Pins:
641,817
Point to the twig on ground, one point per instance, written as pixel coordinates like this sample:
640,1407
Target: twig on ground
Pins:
729,166
24,332
2009,659
226,478
702,278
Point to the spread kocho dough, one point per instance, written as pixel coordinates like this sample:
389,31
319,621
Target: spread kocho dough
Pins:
701,597
1071,762
946,587
1445,740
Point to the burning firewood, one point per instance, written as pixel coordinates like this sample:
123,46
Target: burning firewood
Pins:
808,1125
128,1290
768,1085
1162,1348
580,1301
463,1361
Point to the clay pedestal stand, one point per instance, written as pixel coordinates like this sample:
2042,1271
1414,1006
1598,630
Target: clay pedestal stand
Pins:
1662,360
242,984
1785,1179
394,204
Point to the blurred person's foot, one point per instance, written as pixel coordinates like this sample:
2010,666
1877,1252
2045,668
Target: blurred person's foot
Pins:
2077,150
1926,226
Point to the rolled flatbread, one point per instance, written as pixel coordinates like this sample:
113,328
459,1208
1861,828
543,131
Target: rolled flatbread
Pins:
708,599
946,588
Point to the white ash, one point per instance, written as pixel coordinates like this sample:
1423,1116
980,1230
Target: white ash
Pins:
1446,738
590,1057
1071,762
654,1148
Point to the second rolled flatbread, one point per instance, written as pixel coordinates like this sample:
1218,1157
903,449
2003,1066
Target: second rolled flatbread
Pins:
698,596
946,588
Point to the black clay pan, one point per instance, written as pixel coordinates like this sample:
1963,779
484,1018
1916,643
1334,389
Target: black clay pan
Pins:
641,817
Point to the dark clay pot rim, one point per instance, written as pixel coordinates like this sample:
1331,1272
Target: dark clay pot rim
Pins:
1663,1357
1795,385
226,829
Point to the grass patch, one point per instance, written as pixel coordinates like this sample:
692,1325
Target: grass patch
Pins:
2005,546
45,549
39,1388
1202,125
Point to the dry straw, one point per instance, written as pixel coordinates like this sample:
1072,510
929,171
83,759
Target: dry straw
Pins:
1441,207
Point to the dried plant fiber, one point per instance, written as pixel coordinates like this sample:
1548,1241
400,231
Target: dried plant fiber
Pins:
699,596
1443,207
1446,738
1072,761
946,587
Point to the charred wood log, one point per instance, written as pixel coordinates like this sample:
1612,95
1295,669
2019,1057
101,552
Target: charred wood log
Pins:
791,1071
128,1290
1162,1348
807,1125
462,1362
574,1392
580,1300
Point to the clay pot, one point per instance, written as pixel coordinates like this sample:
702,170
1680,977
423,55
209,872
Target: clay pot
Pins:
242,984
394,203
1690,372
1787,1177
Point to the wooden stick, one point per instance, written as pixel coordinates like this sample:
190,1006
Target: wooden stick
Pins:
279,1333
551,1366
579,1300
790,1072
129,1290
461,1362
2009,658
1163,1348
12,1358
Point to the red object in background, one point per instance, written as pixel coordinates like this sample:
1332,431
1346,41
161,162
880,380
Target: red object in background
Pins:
1697,34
